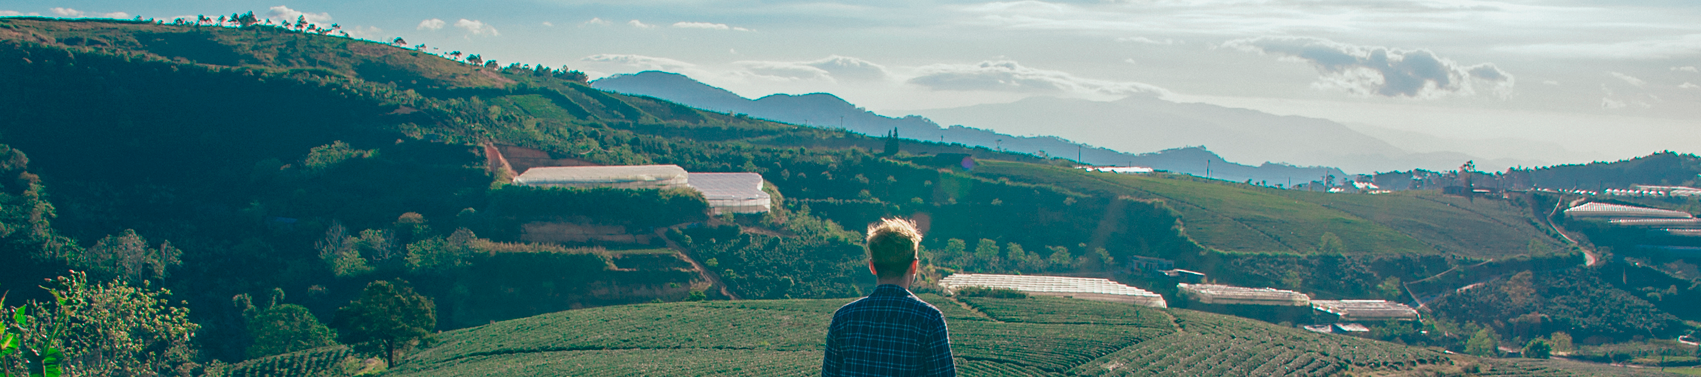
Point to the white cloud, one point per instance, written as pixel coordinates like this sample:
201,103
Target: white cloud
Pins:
706,25
431,24
1380,71
785,70
1149,41
546,23
831,68
1130,61
640,25
73,13
282,13
1639,49
649,63
1686,69
476,27
1010,76
13,13
1629,79
1687,85
371,33
596,21
1610,104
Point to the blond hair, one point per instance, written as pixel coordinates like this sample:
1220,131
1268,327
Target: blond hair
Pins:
892,244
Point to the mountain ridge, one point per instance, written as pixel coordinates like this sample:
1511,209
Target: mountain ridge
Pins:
812,109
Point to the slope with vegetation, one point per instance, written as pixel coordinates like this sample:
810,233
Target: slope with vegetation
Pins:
226,161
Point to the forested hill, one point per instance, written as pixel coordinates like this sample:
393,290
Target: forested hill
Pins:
267,166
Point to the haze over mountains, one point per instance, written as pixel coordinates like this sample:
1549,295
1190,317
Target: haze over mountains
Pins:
827,110
1145,131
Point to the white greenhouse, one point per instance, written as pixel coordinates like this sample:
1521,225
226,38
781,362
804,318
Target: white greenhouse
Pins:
1365,310
632,176
1597,210
732,192
1232,295
1081,288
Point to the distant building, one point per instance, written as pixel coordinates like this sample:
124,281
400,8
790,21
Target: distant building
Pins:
1184,276
1351,329
1120,169
1216,294
1364,310
1081,288
631,176
732,192
725,192
1140,264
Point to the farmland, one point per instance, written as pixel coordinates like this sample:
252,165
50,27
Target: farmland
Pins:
1001,337
1242,218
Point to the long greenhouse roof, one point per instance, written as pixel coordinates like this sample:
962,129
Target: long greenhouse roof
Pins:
1598,209
1046,284
589,175
731,186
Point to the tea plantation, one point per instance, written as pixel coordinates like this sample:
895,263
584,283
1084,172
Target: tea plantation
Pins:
990,337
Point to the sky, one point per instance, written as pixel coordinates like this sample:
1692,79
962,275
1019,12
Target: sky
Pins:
1561,81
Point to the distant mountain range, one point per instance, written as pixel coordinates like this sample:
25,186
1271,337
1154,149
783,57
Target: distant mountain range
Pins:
827,110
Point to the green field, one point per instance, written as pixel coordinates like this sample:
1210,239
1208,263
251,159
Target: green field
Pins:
1043,336
1241,218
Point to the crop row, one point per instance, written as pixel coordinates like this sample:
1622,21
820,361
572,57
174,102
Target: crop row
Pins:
671,362
1051,347
1041,309
996,369
1187,354
1355,351
315,362
648,326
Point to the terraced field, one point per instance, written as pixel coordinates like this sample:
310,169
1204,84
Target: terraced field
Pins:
999,337
1037,336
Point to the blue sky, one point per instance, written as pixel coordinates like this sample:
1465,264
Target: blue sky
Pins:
1602,79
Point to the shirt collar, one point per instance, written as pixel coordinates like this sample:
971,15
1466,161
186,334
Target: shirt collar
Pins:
890,290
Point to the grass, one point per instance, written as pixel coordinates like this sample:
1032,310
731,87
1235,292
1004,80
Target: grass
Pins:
1239,218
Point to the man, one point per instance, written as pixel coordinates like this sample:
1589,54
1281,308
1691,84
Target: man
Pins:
890,332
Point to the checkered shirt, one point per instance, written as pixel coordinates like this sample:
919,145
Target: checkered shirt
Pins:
888,333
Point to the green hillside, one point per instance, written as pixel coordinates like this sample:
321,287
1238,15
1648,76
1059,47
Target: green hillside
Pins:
1002,337
302,166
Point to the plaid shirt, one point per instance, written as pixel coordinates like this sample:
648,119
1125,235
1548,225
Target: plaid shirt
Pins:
888,333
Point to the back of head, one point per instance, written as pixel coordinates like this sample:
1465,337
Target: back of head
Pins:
892,244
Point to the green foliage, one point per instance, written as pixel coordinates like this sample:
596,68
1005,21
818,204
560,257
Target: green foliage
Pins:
37,341
1538,349
129,257
287,328
1575,300
327,156
1484,343
389,314
102,330
1330,244
439,255
634,208
989,292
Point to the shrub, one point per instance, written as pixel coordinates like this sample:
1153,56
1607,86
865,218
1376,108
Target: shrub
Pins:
990,292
